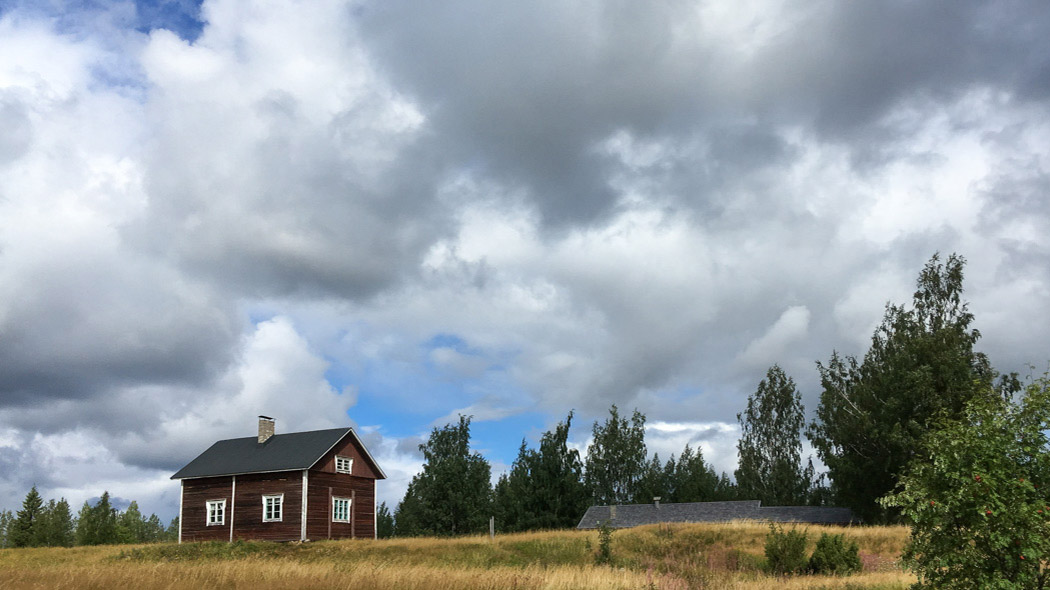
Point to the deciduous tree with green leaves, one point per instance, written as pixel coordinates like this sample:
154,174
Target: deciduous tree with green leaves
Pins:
976,496
921,365
452,495
6,519
616,459
770,444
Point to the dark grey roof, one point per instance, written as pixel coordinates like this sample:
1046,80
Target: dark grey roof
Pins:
282,452
630,515
812,514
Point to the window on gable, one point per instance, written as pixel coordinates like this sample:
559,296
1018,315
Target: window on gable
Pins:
343,464
272,507
216,512
340,509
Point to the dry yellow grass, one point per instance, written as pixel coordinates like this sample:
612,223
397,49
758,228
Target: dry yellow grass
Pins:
667,557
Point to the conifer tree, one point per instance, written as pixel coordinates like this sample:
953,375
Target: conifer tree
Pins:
25,530
509,497
97,525
85,530
384,522
153,531
652,483
408,516
55,528
171,534
694,478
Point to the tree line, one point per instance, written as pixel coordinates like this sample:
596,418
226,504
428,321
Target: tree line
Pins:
52,524
551,486
874,415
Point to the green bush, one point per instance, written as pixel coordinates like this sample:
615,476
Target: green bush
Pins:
833,556
604,555
785,551
976,496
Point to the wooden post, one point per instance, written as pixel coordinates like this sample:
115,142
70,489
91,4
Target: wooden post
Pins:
182,493
233,502
492,527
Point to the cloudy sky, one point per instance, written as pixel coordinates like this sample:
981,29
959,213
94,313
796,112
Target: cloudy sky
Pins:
387,213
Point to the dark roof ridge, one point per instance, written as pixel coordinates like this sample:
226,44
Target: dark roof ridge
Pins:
281,452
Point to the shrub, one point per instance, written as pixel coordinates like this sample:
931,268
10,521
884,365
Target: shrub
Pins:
976,496
785,551
604,554
833,556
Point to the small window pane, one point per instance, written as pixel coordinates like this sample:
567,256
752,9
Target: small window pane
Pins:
272,508
343,464
341,509
216,512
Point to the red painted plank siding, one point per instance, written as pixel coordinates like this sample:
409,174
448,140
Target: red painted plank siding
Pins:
248,512
195,495
322,487
347,448
247,508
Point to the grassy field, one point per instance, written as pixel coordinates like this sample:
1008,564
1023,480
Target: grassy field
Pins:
671,557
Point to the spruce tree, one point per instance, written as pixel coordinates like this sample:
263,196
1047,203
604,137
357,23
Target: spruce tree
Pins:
509,497
171,534
85,533
408,516
97,525
652,483
25,530
770,445
384,522
153,530
62,525
694,478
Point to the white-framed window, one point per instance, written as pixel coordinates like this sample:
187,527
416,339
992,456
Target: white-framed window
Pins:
343,464
272,504
216,512
340,509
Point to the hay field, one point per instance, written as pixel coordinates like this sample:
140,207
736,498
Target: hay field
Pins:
669,557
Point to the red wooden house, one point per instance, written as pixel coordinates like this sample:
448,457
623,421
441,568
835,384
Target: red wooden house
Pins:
301,486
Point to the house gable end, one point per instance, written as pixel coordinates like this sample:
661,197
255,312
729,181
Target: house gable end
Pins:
350,446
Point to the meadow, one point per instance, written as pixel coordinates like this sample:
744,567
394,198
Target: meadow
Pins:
664,557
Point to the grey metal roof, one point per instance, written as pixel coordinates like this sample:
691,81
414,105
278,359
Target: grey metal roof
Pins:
282,452
631,515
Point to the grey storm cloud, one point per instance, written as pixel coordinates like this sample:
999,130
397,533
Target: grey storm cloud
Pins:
524,92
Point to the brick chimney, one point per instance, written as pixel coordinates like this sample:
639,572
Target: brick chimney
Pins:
656,502
265,428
